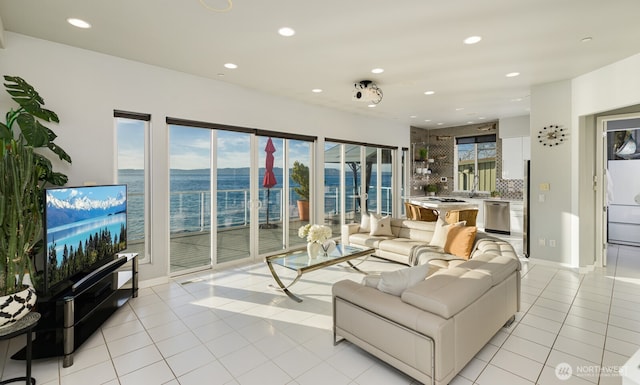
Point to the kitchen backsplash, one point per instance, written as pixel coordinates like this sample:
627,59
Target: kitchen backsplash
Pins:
441,144
510,188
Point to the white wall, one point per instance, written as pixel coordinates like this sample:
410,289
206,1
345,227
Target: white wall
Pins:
570,205
551,219
84,88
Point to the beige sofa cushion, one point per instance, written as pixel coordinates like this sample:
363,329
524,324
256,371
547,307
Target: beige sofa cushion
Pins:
403,246
448,291
415,230
498,267
364,239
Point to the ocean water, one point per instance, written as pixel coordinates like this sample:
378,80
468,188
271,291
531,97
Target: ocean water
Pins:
190,198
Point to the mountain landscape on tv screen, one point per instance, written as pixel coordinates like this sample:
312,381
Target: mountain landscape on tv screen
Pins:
76,207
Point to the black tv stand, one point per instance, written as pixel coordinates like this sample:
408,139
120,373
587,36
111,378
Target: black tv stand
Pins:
69,318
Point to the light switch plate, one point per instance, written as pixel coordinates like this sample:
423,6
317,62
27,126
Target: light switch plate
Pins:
545,187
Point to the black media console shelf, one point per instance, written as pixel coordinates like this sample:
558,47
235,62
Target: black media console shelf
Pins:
71,317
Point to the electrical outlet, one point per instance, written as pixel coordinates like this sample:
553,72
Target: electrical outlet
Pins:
542,242
552,243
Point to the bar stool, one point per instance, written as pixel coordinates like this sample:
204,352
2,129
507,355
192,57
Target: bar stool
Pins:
22,326
467,215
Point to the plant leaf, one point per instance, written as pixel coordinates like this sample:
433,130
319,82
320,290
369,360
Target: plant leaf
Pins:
34,133
60,152
57,179
28,98
5,132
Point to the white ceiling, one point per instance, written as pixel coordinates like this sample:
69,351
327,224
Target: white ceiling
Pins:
338,42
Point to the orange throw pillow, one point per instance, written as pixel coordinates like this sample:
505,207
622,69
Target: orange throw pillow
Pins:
460,241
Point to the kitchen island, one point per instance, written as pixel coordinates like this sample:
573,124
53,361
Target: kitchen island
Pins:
442,204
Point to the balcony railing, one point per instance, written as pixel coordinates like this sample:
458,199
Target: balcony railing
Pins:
189,210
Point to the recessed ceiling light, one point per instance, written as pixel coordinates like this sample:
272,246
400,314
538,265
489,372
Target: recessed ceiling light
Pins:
512,74
286,31
413,116
470,122
481,117
459,108
429,92
377,70
78,23
427,120
440,124
230,66
316,90
472,39
516,99
586,39
372,105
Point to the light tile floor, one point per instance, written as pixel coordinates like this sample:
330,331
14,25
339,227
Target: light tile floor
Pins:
229,327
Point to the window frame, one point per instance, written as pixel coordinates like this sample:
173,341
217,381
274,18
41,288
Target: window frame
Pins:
475,140
146,118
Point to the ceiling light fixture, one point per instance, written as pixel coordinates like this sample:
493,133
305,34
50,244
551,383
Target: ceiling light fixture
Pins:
316,90
214,9
586,39
377,70
429,92
230,66
78,23
512,74
472,40
367,91
286,31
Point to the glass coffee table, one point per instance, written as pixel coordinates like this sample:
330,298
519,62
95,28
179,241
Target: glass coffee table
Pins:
299,261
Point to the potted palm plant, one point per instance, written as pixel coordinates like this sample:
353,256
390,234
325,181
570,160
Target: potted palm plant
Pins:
24,174
300,175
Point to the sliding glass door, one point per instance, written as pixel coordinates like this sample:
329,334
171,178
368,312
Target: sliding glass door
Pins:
283,189
234,195
358,179
234,200
190,165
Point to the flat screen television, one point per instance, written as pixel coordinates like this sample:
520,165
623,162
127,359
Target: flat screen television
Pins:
84,228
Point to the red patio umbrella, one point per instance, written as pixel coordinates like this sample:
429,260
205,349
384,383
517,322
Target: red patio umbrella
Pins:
269,179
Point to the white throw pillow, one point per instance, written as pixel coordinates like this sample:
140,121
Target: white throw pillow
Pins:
365,223
395,282
440,232
381,226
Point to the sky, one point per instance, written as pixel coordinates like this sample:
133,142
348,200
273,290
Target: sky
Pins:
190,148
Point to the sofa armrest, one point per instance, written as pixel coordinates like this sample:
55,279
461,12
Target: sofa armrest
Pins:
348,229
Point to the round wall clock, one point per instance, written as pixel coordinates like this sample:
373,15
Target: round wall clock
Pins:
551,135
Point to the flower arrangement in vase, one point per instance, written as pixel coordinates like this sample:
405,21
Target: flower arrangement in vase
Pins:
316,236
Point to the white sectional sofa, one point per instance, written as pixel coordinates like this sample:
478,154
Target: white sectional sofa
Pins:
412,242
428,320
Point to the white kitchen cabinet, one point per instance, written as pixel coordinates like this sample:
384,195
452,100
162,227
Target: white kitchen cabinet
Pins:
514,152
517,217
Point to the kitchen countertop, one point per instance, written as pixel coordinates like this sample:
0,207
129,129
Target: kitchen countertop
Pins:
466,199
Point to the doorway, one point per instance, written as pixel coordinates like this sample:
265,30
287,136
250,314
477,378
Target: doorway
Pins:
618,154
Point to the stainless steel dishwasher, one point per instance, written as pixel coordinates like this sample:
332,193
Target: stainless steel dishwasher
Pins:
497,217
